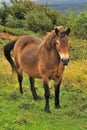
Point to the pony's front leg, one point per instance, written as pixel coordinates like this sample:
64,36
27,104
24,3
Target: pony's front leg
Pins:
33,90
47,96
57,94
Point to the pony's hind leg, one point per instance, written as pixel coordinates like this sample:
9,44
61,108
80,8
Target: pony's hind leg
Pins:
33,90
20,78
19,75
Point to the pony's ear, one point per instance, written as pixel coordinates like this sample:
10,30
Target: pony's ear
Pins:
56,31
68,31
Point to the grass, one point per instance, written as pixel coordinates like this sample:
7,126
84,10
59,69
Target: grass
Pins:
18,31
78,49
19,112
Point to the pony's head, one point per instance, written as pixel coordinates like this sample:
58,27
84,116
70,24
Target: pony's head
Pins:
62,43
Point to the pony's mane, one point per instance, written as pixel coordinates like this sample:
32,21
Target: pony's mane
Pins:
49,40
61,28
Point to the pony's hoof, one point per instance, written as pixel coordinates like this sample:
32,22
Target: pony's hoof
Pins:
37,98
47,110
57,106
21,92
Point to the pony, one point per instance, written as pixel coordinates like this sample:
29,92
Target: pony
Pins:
43,59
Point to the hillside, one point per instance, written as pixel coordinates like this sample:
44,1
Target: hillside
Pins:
61,7
21,112
64,5
60,1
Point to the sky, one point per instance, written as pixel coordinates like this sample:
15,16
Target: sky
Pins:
31,0
48,0
8,0
4,0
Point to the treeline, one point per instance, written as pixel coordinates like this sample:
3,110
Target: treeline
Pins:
30,16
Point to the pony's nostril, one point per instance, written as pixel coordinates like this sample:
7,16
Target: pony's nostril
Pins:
65,61
68,60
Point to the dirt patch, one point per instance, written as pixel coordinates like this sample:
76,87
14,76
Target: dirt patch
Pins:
4,35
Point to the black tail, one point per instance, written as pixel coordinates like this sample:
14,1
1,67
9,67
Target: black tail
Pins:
7,48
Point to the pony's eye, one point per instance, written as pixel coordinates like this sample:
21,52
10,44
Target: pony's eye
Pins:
57,42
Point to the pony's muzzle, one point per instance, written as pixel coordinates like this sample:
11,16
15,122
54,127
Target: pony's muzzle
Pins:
65,61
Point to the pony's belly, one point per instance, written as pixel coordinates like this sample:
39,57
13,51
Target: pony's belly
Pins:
31,71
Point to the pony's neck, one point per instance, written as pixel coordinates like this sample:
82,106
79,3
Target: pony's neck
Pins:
48,49
49,41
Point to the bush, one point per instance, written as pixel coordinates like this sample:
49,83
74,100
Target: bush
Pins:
70,18
52,15
60,20
11,21
4,11
18,10
38,22
81,25
28,15
77,23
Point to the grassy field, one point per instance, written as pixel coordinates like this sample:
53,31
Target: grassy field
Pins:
19,112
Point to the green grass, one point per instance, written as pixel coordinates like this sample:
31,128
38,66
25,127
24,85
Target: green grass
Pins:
18,31
19,112
78,49
23,113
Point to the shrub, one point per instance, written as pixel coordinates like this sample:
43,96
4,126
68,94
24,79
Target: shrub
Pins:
38,22
28,15
70,18
18,10
11,21
52,15
77,23
4,11
81,25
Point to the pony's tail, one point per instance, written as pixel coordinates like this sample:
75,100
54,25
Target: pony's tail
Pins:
7,49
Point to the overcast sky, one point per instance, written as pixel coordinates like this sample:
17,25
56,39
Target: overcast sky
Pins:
50,0
33,0
8,0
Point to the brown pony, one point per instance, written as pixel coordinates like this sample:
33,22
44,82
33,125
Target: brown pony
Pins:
41,59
